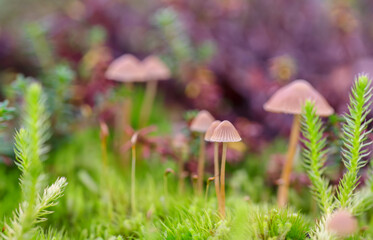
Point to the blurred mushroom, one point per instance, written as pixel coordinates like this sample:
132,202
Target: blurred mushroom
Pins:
155,70
126,69
290,99
225,133
200,124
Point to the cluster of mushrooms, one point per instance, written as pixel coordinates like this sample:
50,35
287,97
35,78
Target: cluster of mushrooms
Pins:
128,69
217,132
289,99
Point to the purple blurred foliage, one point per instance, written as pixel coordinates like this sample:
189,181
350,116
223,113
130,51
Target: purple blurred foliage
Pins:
259,47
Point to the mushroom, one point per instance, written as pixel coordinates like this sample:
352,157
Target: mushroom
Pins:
126,69
342,223
225,133
155,70
290,99
208,135
200,124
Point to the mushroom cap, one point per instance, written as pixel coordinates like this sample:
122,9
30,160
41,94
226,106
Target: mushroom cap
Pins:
155,69
126,68
292,97
201,122
211,130
225,132
342,223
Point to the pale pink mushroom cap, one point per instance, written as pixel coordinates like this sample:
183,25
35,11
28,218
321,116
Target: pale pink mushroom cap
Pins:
126,68
292,97
201,122
342,223
225,132
155,69
211,130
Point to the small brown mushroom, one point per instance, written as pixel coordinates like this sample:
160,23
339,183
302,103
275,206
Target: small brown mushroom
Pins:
154,70
291,99
225,133
200,124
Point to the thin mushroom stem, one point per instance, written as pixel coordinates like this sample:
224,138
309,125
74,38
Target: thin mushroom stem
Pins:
283,192
180,174
133,178
105,186
201,163
165,186
222,180
216,172
150,93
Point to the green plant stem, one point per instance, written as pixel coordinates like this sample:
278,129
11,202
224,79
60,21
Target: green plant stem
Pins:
283,192
106,188
222,180
165,182
314,155
201,163
216,172
104,156
133,178
146,109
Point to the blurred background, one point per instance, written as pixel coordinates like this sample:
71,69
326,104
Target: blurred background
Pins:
226,56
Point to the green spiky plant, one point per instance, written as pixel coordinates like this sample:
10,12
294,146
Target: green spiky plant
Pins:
355,142
6,113
30,150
